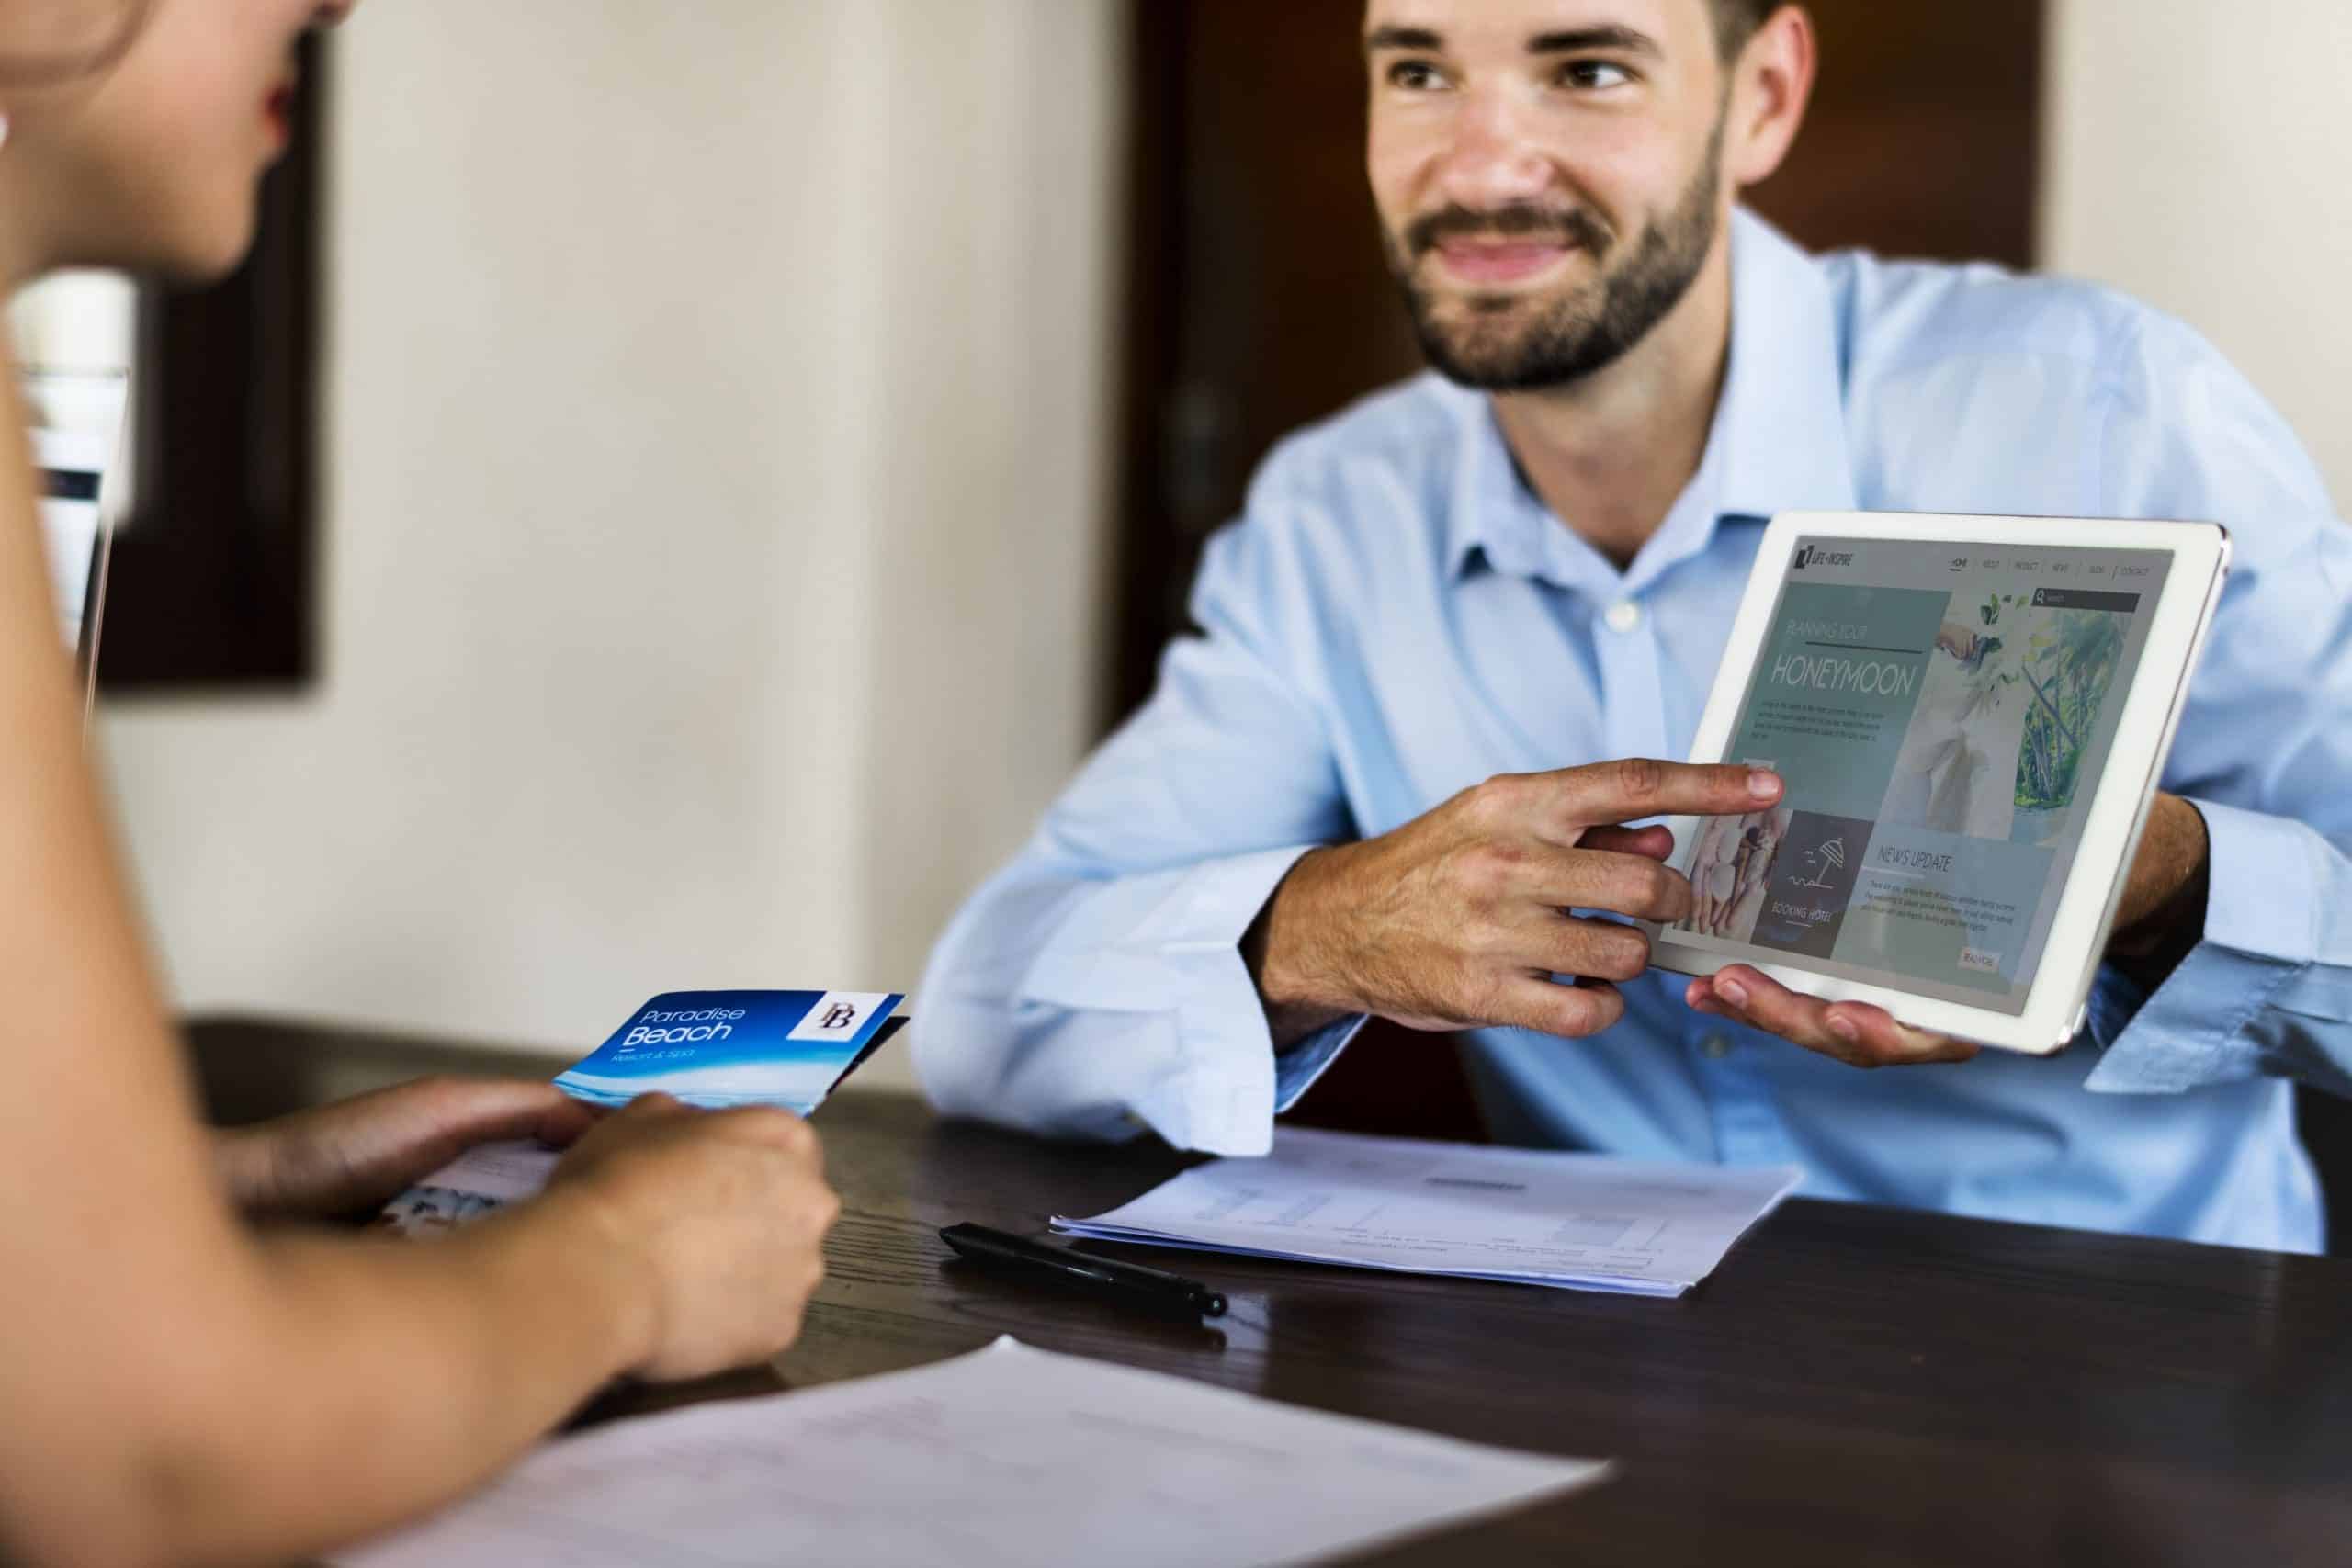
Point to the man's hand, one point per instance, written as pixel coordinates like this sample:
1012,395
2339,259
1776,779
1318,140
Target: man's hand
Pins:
1958,640
2162,914
349,1156
1460,919
1856,1033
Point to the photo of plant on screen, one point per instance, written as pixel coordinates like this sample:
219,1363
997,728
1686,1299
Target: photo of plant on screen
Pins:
2069,667
1731,871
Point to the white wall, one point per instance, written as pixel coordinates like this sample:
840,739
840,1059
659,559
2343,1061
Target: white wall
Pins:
2198,158
718,425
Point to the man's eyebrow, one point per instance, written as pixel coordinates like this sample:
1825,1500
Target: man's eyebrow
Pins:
1420,40
1628,40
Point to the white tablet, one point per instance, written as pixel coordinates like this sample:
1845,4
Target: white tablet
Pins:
1971,714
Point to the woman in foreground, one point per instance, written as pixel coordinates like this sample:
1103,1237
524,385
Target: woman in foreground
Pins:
181,1376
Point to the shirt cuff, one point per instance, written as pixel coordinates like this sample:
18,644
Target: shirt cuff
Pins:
1169,944
1297,1070
2261,930
2265,876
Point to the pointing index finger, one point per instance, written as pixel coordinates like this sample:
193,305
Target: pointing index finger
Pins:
1608,793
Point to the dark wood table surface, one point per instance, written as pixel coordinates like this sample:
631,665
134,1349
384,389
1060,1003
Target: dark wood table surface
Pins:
1853,1385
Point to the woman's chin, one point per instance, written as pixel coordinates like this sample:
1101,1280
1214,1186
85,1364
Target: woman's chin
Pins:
192,249
209,256
184,256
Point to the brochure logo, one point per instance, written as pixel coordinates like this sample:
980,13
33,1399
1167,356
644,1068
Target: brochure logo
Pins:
838,1015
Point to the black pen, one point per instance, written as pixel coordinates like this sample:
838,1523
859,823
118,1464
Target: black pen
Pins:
1129,1284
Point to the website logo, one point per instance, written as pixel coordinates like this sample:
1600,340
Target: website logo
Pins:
1809,554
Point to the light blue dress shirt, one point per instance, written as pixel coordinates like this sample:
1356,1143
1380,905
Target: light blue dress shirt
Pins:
1396,617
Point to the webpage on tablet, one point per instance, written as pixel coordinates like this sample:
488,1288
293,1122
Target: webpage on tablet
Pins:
1941,713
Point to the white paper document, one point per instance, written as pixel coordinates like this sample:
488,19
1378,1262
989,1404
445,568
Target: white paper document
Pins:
1006,1457
1585,1222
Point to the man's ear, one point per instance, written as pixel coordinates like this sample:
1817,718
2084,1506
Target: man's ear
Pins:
1772,83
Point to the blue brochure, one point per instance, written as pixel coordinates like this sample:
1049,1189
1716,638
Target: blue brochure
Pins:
721,1048
712,1049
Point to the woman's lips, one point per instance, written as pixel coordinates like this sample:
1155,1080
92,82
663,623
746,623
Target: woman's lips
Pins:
1492,262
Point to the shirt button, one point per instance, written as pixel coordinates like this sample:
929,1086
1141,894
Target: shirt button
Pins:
1623,615
1716,1046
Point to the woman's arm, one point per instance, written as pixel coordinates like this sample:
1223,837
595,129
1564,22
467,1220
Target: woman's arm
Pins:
289,1394
302,1391
177,1388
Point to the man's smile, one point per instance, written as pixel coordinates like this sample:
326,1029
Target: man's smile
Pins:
1502,263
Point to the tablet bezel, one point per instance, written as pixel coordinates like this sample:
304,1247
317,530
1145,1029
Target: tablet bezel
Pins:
2054,1006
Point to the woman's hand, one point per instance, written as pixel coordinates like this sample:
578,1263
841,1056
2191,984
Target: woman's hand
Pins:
722,1215
349,1156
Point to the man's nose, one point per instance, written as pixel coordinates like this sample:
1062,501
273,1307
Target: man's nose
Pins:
1495,159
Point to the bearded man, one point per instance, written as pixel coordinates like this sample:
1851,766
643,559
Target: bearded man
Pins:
1444,649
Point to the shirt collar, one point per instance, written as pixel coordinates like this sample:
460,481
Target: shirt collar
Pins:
1778,443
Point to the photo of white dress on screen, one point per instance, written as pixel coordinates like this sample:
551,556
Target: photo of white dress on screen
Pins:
1999,740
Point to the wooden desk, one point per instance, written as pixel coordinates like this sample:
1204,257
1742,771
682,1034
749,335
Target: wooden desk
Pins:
1855,1385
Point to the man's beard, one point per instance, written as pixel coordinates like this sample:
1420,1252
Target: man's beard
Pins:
1571,337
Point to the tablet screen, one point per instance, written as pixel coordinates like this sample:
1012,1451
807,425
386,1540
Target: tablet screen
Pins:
1941,714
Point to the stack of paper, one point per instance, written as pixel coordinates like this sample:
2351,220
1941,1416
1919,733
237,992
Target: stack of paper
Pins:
1006,1457
1583,1222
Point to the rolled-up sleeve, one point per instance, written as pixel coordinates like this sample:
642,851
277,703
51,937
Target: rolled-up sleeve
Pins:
1096,985
2264,750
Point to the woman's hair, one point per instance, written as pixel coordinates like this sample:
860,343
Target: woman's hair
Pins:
48,42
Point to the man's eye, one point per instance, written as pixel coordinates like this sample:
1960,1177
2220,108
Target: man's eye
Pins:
1594,75
1415,77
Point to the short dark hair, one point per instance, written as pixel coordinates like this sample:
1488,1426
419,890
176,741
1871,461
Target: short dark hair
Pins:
1737,21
